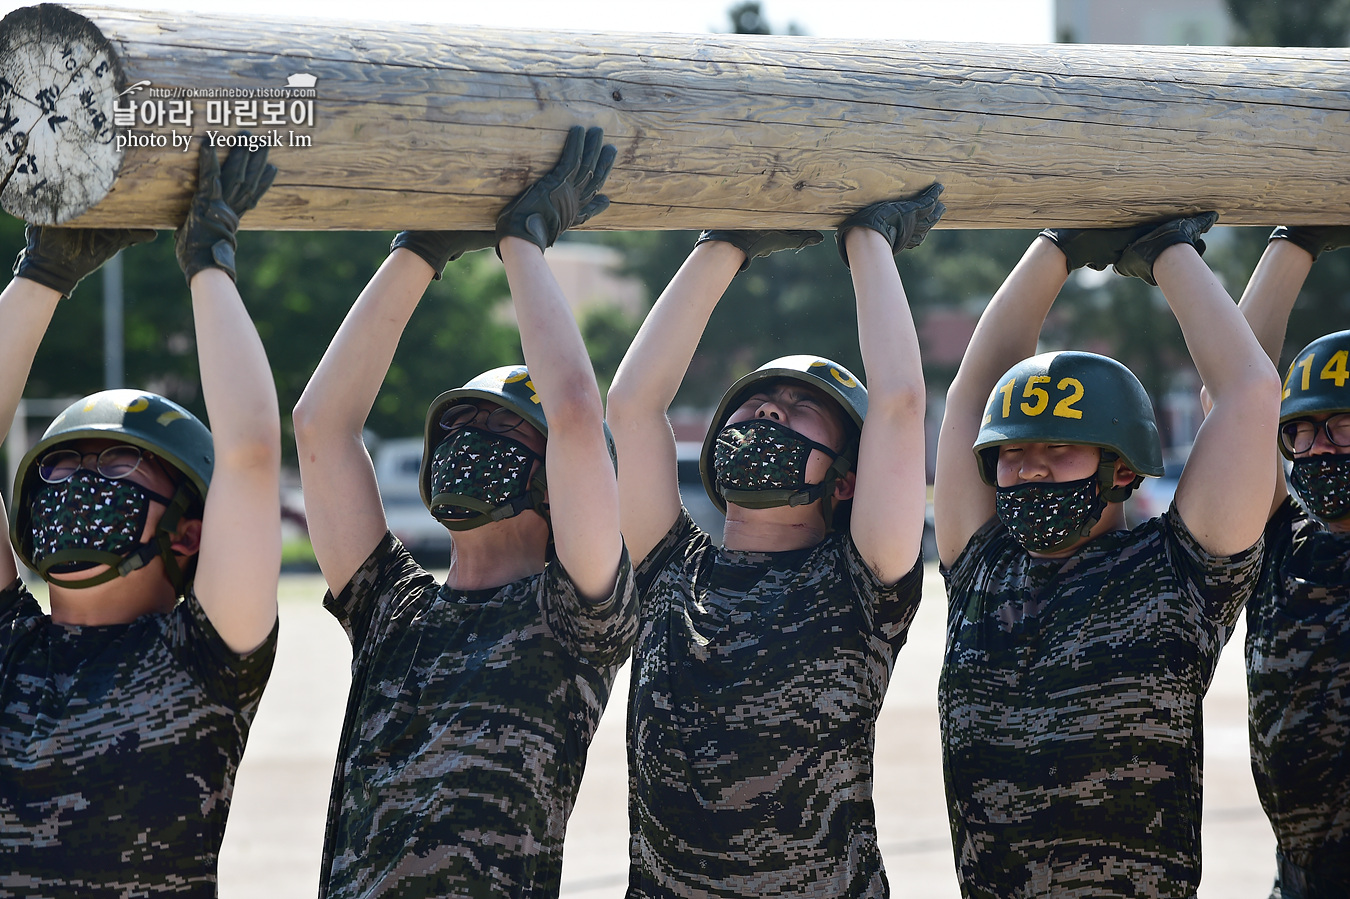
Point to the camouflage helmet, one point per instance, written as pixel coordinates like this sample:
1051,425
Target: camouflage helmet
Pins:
1318,381
509,386
815,371
1077,398
136,417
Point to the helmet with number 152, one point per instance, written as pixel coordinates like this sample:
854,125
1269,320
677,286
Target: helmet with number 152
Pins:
1318,382
1077,398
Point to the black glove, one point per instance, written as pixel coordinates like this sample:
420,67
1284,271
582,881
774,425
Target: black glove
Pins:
567,196
1316,239
59,257
440,248
1136,261
761,243
206,239
903,222
1095,247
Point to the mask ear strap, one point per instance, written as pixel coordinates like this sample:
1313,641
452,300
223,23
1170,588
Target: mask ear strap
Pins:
1106,480
162,544
842,465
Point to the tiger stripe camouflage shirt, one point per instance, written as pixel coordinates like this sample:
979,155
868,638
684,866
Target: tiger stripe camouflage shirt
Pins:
1298,687
118,750
757,682
467,726
1070,704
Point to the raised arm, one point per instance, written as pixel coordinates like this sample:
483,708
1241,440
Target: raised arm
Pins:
240,558
1272,291
1006,334
651,371
583,493
1224,492
891,489
342,499
52,263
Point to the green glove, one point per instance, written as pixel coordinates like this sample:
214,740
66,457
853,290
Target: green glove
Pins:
59,257
206,239
1096,248
1136,261
567,196
1316,239
761,243
440,248
903,222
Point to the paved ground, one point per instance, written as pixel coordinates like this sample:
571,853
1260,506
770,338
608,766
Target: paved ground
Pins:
275,836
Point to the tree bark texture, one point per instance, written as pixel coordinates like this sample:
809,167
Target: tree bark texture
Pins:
434,126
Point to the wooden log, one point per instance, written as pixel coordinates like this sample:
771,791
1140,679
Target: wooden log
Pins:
427,126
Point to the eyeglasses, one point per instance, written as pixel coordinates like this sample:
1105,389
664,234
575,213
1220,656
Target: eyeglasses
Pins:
115,462
1299,435
499,421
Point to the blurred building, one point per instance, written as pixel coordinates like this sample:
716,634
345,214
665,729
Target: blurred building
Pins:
1177,22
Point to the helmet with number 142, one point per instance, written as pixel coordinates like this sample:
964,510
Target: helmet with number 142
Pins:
1318,385
1318,382
1075,398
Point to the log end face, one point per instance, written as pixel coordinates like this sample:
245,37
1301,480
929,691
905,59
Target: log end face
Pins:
59,80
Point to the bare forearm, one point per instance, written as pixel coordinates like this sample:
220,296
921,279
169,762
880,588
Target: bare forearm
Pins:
237,382
560,367
656,362
1011,324
1272,291
886,334
1225,351
338,398
26,309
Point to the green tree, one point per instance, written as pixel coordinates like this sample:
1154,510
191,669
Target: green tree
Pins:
1291,23
298,287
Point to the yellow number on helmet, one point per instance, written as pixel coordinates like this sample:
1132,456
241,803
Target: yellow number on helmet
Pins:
846,381
1335,369
1031,390
1064,408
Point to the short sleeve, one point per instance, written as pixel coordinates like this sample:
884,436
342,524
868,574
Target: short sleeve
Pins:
18,613
959,577
890,607
1222,583
601,632
672,544
232,679
388,573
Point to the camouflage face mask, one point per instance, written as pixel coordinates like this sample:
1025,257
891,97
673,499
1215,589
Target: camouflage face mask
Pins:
1046,518
478,477
88,520
1322,484
761,456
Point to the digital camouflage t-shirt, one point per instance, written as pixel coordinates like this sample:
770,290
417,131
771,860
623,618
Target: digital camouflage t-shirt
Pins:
467,727
118,749
757,680
1298,687
1070,703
